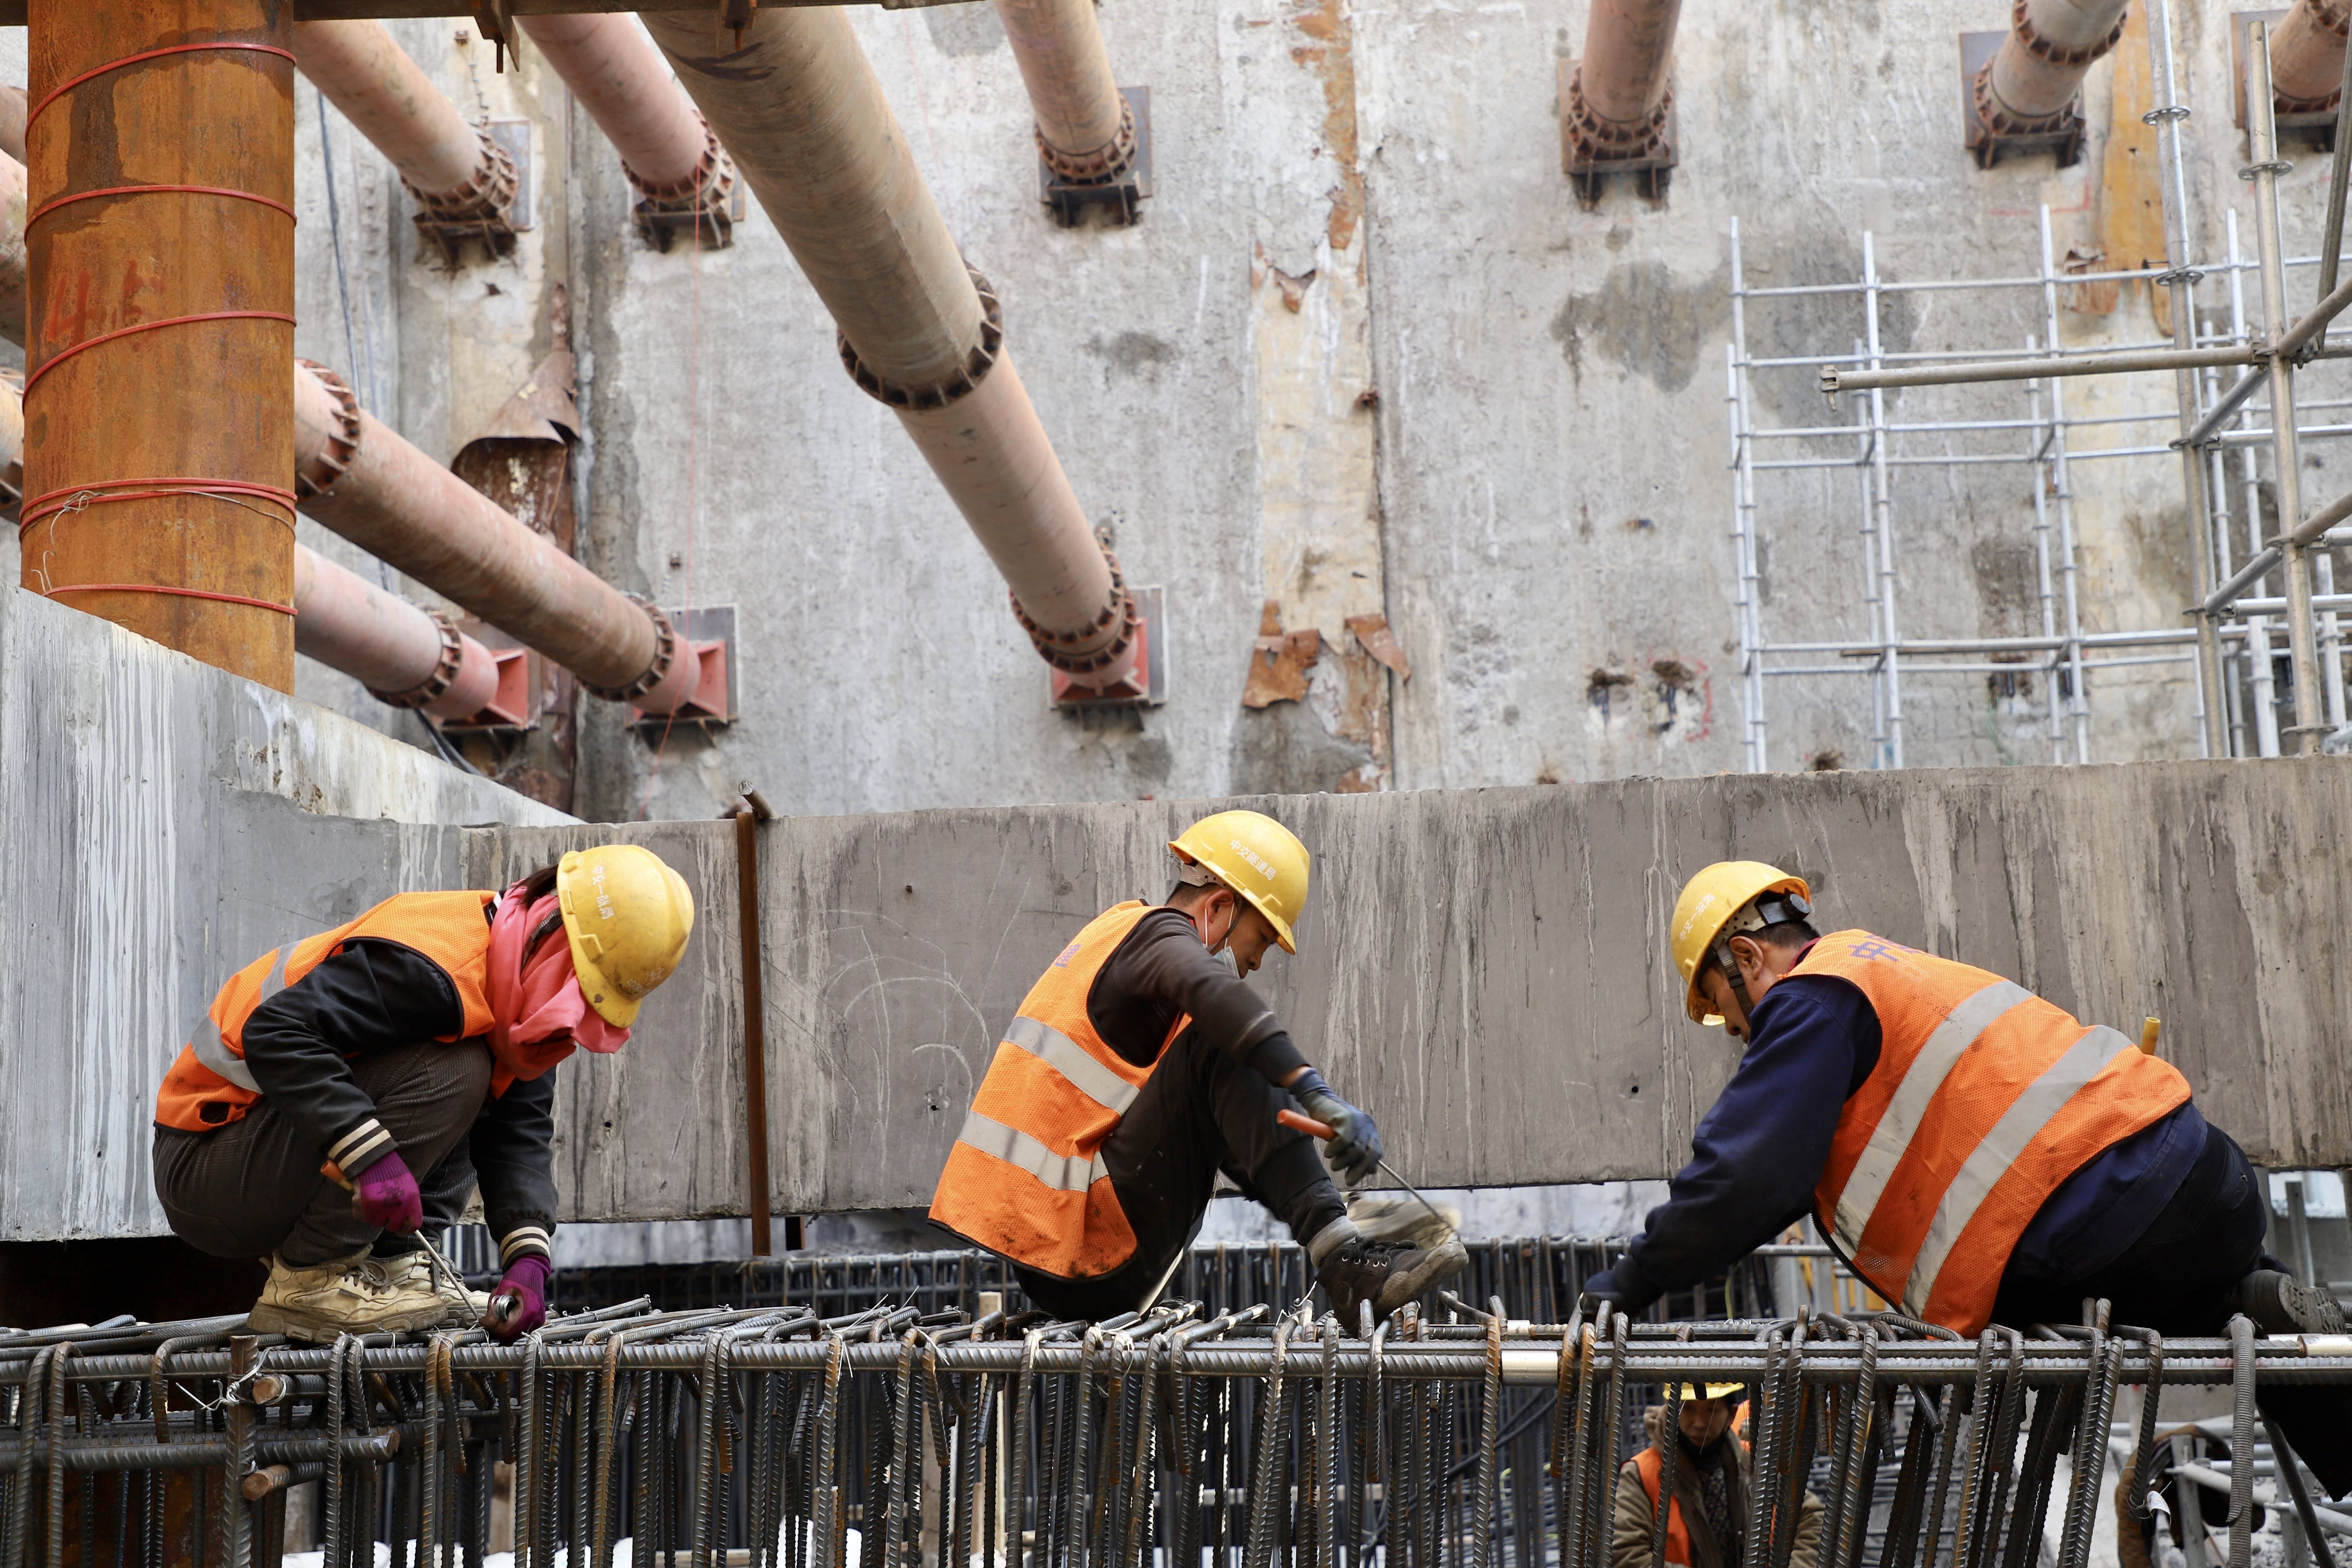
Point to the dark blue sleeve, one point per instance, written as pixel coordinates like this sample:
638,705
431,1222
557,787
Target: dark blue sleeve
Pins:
1759,1149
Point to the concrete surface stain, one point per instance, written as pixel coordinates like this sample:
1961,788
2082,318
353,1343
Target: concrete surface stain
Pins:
1642,319
964,30
1134,353
1332,57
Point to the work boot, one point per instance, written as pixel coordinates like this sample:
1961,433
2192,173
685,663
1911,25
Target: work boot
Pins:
355,1295
464,1306
1387,1274
2279,1303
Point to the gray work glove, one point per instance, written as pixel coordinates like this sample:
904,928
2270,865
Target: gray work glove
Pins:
1355,1147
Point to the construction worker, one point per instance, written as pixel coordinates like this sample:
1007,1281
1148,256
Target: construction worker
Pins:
1973,1152
1706,1519
405,1056
1140,1067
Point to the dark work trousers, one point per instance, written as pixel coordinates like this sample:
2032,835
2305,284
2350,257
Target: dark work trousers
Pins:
2177,1279
253,1187
1199,1113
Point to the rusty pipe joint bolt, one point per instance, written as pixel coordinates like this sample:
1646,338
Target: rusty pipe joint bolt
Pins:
436,685
1103,644
2055,66
1593,140
703,201
668,682
1103,166
476,209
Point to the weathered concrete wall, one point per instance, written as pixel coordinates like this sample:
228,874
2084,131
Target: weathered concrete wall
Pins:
1350,201
166,822
1485,970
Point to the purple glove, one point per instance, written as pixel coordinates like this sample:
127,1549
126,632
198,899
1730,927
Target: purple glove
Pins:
519,1303
386,1195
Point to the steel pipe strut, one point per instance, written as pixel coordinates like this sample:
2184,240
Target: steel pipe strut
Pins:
620,79
408,656
452,168
362,481
2307,56
176,524
1622,91
12,246
1084,130
13,105
2030,84
798,107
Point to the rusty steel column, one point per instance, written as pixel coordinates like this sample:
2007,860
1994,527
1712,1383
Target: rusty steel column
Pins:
1623,87
2307,56
364,481
682,178
2028,85
1084,131
800,109
408,656
159,488
462,180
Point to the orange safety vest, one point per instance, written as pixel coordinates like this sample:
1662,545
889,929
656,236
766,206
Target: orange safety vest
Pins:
1984,1099
1026,1178
209,1084
1649,1463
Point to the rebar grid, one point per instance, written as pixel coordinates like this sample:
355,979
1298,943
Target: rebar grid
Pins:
944,1441
2222,376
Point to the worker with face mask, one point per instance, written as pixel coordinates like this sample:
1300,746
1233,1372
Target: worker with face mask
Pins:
1140,1067
345,1092
1973,1152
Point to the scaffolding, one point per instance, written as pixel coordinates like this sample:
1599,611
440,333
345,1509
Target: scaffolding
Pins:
2235,377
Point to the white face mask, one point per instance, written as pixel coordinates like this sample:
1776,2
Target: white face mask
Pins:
1224,955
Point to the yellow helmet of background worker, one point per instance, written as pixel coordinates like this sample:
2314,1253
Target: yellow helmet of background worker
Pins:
1259,858
1709,902
627,916
1712,1390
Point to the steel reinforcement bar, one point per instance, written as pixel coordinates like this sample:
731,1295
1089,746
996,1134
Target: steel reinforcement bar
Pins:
771,1437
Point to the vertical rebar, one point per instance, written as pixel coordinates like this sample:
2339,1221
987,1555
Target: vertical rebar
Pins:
2241,1384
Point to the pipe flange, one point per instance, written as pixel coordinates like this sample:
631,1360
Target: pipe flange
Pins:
445,672
2040,47
342,450
1105,164
710,184
665,654
1598,141
481,202
1059,648
939,393
2001,121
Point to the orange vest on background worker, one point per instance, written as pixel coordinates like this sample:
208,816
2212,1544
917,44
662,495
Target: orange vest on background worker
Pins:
1025,1177
1649,1463
209,1084
1984,1099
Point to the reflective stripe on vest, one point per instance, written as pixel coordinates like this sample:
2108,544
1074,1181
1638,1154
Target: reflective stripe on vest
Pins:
206,1040
1025,1177
1984,1098
1063,1172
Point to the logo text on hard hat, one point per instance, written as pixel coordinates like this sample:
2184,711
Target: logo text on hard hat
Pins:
603,900
1256,863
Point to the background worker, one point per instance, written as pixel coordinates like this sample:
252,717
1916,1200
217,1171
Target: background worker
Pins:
1140,1065
1975,1154
345,1092
1706,1520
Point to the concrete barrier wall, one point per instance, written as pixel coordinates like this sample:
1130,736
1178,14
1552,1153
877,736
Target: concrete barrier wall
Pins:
166,822
1485,970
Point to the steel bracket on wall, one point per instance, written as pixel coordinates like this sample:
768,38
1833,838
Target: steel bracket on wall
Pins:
1988,141
1151,664
516,706
707,635
1117,194
1588,165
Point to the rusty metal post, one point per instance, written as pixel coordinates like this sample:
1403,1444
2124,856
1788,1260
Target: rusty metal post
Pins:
748,817
799,107
2030,84
159,416
1084,131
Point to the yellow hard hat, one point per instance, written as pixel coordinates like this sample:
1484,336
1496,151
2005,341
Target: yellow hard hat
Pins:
1259,858
1707,904
1713,1390
627,916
